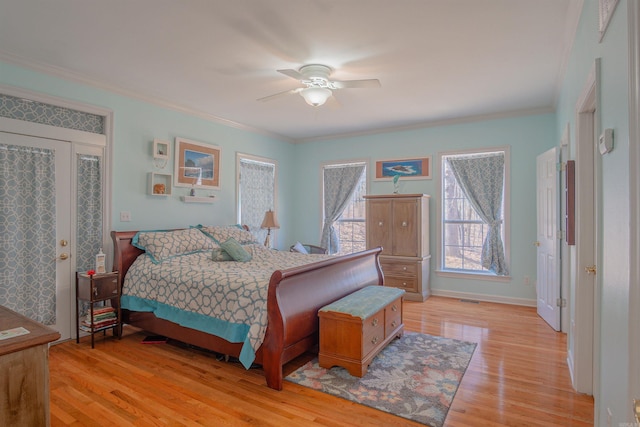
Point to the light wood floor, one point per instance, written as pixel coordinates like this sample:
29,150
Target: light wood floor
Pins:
517,377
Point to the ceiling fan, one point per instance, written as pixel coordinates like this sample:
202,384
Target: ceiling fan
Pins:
317,86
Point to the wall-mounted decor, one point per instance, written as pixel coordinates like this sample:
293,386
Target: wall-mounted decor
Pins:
605,11
159,184
414,168
160,153
570,202
196,164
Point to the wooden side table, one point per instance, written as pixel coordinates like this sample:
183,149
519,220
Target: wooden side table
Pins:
24,369
95,289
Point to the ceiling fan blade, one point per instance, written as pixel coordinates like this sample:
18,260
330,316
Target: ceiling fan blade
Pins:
368,83
293,74
279,94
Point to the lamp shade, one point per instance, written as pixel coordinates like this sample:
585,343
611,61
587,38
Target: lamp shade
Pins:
270,220
316,96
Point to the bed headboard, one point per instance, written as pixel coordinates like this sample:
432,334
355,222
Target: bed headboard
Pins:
124,253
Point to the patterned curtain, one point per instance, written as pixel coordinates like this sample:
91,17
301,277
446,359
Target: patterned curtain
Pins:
28,232
339,185
89,211
482,181
257,187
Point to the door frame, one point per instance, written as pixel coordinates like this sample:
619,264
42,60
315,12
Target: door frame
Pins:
634,201
75,137
583,357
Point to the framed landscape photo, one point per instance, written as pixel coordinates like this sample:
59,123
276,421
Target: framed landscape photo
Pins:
412,168
196,164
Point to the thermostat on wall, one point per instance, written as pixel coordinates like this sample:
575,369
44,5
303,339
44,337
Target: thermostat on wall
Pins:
605,143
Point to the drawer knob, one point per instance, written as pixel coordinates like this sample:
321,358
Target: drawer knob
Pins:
404,268
380,224
404,284
95,290
375,322
394,308
393,324
374,340
404,223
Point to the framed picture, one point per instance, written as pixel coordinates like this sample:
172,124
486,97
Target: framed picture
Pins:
196,164
415,168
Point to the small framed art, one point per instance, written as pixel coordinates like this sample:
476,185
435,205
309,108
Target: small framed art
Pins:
196,164
412,168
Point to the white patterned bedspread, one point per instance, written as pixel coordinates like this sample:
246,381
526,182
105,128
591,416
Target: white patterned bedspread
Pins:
228,298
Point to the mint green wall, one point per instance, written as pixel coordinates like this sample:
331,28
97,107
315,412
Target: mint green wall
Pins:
528,136
136,124
613,267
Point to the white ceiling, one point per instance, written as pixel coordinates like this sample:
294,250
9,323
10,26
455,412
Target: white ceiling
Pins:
437,60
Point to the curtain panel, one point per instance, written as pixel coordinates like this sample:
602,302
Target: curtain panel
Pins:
257,185
481,178
339,185
89,211
28,225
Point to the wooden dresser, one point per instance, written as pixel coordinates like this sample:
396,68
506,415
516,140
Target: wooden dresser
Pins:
24,369
400,224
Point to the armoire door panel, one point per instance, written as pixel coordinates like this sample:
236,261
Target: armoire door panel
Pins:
405,217
379,226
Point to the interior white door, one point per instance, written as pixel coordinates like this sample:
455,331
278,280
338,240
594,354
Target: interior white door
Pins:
548,271
62,267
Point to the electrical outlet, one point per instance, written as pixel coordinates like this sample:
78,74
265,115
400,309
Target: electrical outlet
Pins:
125,216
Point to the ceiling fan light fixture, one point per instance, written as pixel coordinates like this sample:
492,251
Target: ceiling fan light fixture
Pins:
315,96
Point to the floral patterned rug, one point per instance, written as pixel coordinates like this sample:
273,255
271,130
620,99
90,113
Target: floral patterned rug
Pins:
414,377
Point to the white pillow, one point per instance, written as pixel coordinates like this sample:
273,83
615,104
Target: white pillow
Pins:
299,248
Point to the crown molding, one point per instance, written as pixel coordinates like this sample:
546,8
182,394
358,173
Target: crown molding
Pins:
66,74
433,123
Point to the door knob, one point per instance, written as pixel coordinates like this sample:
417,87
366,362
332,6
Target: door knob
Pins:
591,270
536,243
63,256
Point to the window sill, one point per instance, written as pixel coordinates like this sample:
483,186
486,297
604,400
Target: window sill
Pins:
473,276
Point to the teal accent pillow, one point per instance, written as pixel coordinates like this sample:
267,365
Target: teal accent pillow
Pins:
219,254
235,249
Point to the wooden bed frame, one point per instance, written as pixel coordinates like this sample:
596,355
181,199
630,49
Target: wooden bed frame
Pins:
294,297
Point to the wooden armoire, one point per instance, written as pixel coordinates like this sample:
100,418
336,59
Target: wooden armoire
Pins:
400,224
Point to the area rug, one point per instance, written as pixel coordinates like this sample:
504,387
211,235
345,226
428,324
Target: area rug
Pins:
414,377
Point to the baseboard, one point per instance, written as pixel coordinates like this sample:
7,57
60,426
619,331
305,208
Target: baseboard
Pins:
486,298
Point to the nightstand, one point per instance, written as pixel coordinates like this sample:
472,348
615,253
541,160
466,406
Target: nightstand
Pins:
96,290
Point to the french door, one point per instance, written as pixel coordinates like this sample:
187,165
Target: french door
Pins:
36,263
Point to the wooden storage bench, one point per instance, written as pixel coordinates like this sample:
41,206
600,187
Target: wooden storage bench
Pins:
355,328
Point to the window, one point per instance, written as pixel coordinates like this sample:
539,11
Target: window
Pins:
256,191
473,215
344,188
